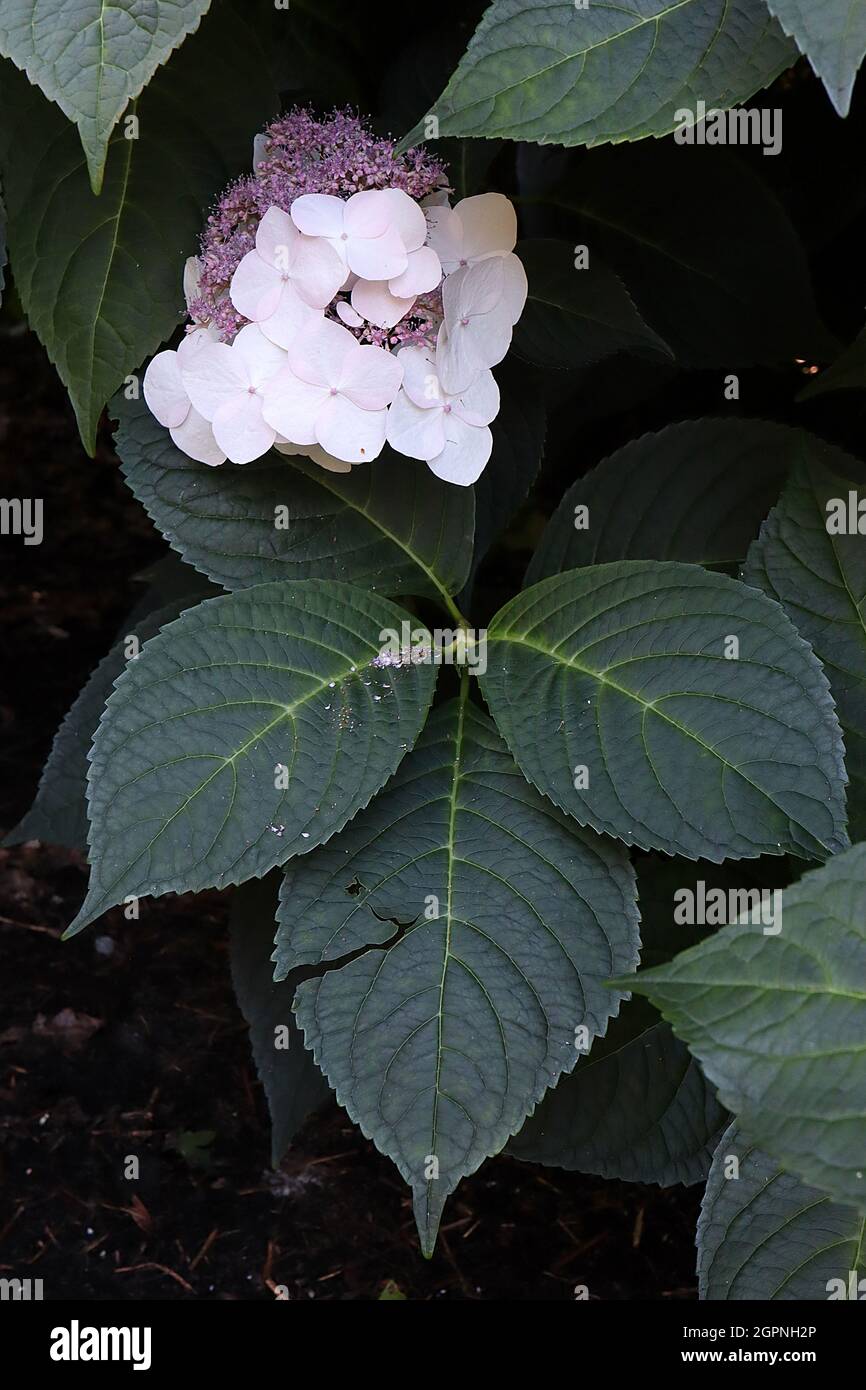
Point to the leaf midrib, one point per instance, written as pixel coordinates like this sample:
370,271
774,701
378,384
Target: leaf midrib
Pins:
446,955
570,58
380,526
647,706
287,712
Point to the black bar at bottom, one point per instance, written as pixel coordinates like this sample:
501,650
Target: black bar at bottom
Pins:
253,1339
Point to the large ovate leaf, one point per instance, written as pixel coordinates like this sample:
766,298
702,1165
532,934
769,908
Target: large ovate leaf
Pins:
292,1082
819,578
91,57
696,491
832,34
390,525
573,317
765,1235
545,70
617,692
636,1108
778,1020
249,730
100,278
507,919
722,275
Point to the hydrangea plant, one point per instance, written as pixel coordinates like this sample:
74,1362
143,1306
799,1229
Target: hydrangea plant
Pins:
466,761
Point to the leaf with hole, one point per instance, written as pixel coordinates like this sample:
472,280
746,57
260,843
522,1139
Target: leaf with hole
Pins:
495,924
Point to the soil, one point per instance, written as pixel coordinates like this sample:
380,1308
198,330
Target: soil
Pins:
127,1041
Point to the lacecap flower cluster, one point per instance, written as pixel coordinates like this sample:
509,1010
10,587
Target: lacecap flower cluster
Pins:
340,302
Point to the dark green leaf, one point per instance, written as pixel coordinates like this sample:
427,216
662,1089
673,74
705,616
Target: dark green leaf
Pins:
508,920
293,1083
612,688
278,684
576,317
389,524
717,270
778,1020
544,70
100,278
636,1108
696,491
832,34
90,57
820,581
764,1235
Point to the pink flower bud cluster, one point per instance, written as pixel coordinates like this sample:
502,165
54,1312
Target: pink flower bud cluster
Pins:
299,153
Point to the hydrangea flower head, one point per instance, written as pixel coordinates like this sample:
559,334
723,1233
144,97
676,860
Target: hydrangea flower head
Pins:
339,301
